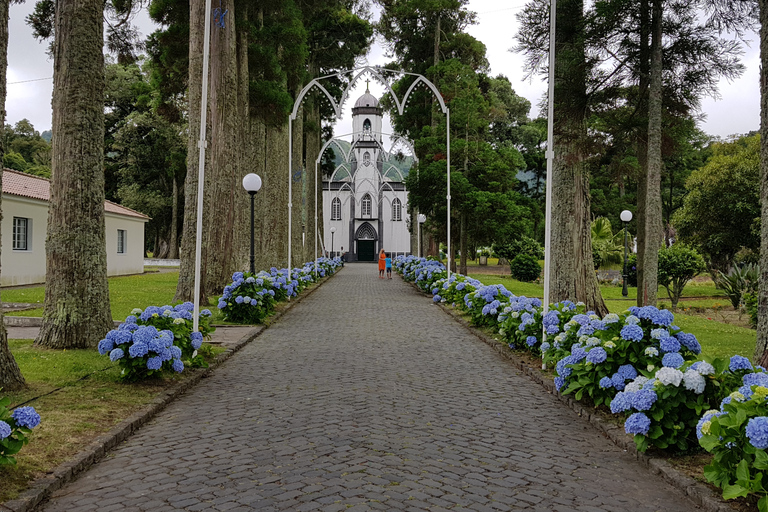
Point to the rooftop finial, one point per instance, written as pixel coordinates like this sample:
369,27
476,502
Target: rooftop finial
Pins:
367,91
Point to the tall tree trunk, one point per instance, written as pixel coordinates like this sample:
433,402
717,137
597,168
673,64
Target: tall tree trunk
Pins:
761,349
76,311
10,375
299,177
312,144
647,287
572,274
185,289
173,243
642,142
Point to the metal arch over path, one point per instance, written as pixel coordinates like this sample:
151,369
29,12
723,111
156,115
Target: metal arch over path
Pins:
378,74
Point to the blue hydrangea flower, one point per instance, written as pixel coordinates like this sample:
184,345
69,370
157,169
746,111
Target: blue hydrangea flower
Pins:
643,400
222,304
237,276
672,360
618,381
627,371
197,339
559,383
605,383
597,355
755,379
116,354
632,332
638,423
206,312
175,352
632,320
621,402
739,363
154,363
689,341
531,340
694,381
757,432
130,319
702,427
239,299
138,349
26,417
105,346
177,365
5,430
669,344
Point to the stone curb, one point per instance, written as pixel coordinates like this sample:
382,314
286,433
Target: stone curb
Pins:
41,488
700,494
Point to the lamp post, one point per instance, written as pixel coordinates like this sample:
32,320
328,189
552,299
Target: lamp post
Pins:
422,219
333,230
252,184
625,216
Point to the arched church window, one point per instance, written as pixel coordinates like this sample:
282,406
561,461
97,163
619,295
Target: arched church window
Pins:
366,205
336,209
366,158
367,125
397,210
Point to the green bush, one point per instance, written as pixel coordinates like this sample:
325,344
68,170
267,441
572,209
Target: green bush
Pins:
522,245
750,304
525,268
678,265
632,270
738,282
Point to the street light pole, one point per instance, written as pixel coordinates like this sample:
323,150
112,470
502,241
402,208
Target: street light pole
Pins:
626,216
252,184
333,230
422,219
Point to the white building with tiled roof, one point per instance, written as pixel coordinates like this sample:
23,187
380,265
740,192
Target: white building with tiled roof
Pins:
25,216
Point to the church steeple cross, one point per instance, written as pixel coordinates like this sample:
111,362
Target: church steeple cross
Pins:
367,91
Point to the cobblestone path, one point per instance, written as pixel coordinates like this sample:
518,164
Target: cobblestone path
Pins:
366,396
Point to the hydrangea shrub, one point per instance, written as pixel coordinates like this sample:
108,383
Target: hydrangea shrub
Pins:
179,320
737,437
15,427
142,351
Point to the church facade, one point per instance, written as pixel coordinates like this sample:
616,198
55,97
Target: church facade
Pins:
365,202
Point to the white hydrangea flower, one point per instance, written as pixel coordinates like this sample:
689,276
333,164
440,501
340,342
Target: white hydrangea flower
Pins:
651,351
650,367
694,381
137,311
632,319
611,318
609,344
659,333
704,368
737,396
515,314
560,337
178,321
583,339
579,304
592,342
167,312
669,376
594,317
508,309
636,385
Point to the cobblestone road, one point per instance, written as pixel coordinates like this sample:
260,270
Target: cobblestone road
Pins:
365,396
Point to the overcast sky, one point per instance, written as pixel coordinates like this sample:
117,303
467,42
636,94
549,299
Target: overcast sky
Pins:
30,73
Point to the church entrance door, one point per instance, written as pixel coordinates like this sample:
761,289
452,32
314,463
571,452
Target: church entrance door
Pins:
366,250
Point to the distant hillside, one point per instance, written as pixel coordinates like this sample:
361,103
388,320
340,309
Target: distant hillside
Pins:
404,165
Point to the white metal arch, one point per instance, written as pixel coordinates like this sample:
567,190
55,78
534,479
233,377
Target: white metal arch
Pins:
378,74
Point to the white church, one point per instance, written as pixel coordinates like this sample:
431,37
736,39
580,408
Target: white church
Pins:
365,203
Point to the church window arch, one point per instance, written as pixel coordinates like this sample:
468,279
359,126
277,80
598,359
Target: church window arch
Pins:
336,209
366,158
367,205
367,125
397,210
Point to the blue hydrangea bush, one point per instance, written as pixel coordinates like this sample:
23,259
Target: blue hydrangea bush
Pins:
251,298
142,351
15,427
453,289
422,271
737,435
486,303
179,320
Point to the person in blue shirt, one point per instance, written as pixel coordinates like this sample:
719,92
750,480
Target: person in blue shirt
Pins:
388,265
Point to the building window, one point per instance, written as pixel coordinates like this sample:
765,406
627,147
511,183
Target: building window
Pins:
397,210
367,125
121,241
366,205
366,158
336,209
21,230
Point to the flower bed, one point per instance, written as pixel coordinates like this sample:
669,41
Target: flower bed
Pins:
14,428
251,298
636,364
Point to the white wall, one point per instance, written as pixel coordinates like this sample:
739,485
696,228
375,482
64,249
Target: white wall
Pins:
132,260
23,267
28,267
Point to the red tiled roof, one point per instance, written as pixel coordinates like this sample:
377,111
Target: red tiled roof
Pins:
34,187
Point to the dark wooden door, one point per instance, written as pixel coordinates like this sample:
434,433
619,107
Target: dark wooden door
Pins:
366,250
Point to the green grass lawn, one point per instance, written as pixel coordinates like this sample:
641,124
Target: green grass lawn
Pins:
717,339
125,293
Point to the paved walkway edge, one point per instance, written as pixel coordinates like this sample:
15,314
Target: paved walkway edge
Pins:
699,493
41,488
